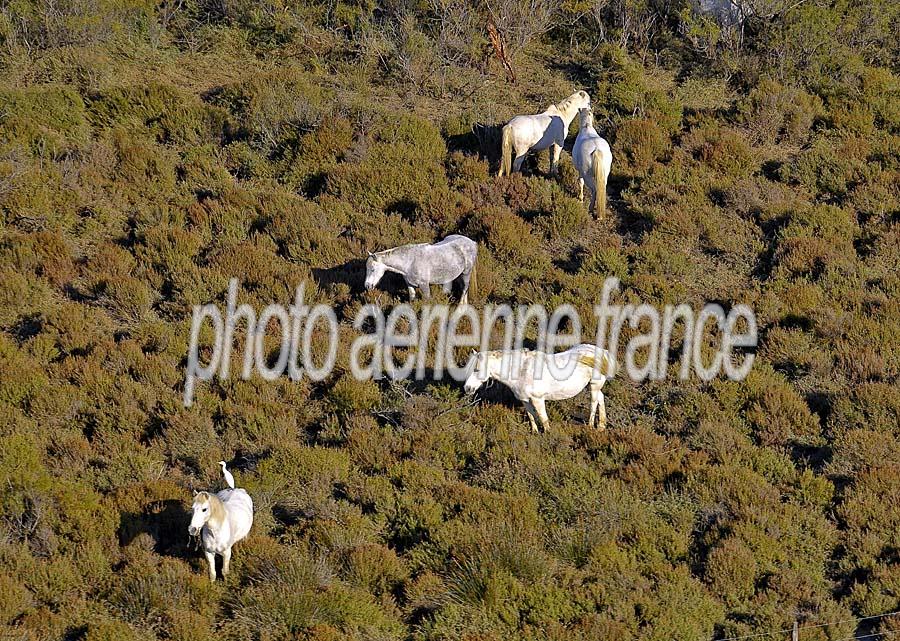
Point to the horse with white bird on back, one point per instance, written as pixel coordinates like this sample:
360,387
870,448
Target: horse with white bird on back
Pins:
221,520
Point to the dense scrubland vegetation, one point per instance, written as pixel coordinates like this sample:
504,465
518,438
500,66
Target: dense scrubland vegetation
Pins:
150,152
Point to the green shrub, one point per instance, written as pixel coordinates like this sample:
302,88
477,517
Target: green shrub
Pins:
394,167
374,568
49,121
348,394
317,153
872,406
129,298
269,108
731,571
45,253
286,610
509,237
777,413
168,114
140,162
794,353
640,142
775,113
153,598
627,90
830,167
816,239
15,599
113,630
725,151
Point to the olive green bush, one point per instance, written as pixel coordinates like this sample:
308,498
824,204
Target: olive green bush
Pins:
149,154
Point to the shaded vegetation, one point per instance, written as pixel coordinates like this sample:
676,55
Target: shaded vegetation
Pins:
151,151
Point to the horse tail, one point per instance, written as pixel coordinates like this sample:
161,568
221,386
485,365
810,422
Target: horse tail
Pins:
606,366
599,201
506,152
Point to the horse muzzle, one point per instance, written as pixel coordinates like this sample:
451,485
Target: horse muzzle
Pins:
193,531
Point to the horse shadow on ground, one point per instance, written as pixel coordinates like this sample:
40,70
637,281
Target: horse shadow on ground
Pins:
162,524
572,261
484,140
351,273
628,223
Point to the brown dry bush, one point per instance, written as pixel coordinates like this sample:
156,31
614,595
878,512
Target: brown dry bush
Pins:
165,150
640,143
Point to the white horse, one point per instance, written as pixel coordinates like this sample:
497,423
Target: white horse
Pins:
529,375
222,520
422,265
526,134
593,159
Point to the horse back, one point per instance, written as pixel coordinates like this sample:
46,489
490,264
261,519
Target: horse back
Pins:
450,257
468,246
236,500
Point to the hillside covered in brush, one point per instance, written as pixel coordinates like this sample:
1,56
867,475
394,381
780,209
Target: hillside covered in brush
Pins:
151,151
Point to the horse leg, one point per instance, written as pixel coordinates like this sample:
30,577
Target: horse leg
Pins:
529,409
517,163
466,277
211,559
601,409
581,189
541,410
226,562
595,401
448,288
412,292
555,152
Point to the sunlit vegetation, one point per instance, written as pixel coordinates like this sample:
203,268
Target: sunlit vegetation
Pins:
149,152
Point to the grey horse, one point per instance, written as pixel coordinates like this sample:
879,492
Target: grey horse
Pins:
422,265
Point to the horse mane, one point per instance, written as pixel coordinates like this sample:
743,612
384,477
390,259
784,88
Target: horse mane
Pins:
563,105
384,253
606,365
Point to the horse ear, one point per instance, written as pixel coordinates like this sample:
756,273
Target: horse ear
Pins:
195,492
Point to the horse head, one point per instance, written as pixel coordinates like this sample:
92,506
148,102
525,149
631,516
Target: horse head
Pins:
586,116
478,374
201,511
374,270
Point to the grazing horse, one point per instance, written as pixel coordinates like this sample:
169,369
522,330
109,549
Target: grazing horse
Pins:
222,520
593,159
526,134
529,375
422,265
